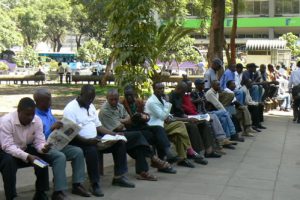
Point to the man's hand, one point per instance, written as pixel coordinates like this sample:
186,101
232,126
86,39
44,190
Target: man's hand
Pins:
192,120
56,125
93,141
31,158
46,148
121,127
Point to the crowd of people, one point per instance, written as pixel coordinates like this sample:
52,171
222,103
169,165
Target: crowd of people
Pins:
232,104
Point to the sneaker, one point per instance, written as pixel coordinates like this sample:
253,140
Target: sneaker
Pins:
186,163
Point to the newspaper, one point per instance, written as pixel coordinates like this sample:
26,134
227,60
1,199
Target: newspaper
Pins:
108,140
200,117
59,138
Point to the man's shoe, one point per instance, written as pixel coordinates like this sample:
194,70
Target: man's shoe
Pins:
201,161
146,176
96,190
59,195
78,189
237,138
186,163
261,127
247,134
122,182
256,129
169,170
212,155
228,146
173,159
41,195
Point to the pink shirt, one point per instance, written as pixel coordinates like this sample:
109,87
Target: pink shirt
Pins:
14,137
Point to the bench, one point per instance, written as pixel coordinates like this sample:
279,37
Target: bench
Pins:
91,78
22,78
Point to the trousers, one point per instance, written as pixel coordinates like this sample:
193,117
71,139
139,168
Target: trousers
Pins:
9,166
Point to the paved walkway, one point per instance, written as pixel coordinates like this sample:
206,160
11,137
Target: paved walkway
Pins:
266,167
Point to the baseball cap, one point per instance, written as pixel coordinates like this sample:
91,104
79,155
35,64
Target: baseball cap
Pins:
218,61
199,81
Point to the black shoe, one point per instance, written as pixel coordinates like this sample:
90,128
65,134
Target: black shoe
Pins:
173,159
59,195
169,170
261,127
228,146
237,138
78,189
200,161
212,155
122,182
186,163
96,190
40,196
256,129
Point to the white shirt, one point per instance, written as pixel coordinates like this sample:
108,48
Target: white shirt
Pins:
238,79
158,112
213,97
295,78
87,119
209,76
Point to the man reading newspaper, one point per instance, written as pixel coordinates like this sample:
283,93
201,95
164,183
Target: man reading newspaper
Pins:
42,98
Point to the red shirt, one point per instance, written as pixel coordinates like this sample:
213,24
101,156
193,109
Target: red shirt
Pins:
187,105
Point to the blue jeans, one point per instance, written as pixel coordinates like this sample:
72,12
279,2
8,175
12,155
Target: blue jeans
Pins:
286,101
256,92
226,122
240,96
57,160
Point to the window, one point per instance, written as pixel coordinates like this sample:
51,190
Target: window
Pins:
254,7
287,7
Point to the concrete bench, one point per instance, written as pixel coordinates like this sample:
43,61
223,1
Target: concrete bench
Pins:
21,78
91,78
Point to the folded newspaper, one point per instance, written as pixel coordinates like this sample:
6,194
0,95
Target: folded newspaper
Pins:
108,140
59,138
200,117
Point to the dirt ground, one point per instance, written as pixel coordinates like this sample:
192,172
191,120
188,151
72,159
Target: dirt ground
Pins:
11,94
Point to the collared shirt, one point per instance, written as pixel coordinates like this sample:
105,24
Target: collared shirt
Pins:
48,120
295,78
86,118
249,75
238,79
157,110
209,76
213,97
248,98
227,76
14,137
111,116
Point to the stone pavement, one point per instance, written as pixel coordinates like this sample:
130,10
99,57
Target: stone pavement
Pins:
266,167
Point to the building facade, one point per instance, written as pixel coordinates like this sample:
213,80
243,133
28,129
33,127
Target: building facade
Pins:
258,19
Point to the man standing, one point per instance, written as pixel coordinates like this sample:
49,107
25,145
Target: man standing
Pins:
211,74
42,98
82,112
61,72
294,87
22,142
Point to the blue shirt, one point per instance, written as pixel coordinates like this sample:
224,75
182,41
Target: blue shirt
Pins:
227,76
48,120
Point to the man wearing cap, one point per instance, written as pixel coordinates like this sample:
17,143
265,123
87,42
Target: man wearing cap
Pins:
211,74
256,90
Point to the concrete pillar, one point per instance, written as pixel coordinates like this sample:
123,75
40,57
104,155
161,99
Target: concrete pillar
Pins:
271,33
271,8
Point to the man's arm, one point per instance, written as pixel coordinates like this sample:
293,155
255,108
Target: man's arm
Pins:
39,141
7,141
214,100
157,111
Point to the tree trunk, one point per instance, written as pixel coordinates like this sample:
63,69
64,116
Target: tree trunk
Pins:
107,70
233,32
78,41
59,44
54,45
216,40
226,48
